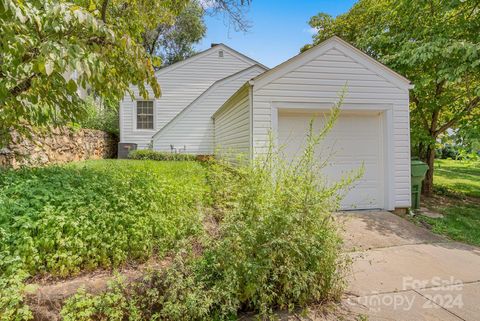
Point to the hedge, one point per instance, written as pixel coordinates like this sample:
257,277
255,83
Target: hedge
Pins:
148,154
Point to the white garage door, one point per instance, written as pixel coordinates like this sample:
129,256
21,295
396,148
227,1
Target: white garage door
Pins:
356,139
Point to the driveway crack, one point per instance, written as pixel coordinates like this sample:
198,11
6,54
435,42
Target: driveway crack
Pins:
435,303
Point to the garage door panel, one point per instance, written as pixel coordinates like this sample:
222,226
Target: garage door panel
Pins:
353,143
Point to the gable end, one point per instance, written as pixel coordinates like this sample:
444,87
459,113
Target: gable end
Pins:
346,49
216,48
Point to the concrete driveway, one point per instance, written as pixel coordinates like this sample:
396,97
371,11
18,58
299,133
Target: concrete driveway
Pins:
403,272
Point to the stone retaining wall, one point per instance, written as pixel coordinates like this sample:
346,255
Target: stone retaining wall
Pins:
61,145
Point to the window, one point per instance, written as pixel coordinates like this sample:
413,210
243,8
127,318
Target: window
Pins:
144,114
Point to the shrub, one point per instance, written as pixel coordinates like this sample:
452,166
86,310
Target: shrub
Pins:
448,151
148,154
64,219
277,245
100,116
12,306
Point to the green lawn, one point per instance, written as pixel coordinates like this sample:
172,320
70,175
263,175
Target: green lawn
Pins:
461,222
459,177
457,186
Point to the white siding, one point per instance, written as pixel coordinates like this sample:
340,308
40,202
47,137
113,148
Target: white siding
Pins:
320,80
193,127
180,86
232,126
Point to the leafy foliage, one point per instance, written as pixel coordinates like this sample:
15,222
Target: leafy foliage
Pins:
277,246
174,42
148,154
64,220
61,220
435,44
101,117
12,305
49,49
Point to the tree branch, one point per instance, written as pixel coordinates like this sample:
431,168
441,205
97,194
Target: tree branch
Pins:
439,87
422,115
467,110
104,10
433,124
98,41
23,86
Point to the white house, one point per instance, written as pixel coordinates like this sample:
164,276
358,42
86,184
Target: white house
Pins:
210,104
192,90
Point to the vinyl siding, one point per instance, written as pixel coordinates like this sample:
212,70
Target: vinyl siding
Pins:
193,127
232,126
320,80
180,86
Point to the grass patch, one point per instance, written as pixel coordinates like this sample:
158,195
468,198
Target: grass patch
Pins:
457,177
461,218
457,185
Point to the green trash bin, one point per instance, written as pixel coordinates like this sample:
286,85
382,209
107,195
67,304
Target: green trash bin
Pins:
418,170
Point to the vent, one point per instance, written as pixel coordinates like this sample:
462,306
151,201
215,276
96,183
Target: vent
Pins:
220,53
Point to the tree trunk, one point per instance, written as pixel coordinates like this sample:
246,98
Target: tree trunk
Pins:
427,185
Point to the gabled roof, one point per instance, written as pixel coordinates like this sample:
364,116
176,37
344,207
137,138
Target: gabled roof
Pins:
204,53
205,94
343,46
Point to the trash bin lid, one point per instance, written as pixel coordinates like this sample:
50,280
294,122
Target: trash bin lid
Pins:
417,162
419,168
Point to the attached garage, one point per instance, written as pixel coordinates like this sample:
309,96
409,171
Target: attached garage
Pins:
372,131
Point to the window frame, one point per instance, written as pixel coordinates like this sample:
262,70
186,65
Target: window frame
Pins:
154,114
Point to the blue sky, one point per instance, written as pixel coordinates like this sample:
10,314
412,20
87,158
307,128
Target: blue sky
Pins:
279,28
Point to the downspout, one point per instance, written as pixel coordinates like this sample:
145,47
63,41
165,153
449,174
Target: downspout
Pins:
214,138
250,93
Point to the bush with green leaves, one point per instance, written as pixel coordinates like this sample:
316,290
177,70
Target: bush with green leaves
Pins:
148,154
277,246
100,116
63,220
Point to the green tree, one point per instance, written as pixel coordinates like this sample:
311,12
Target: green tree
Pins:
174,42
48,49
435,44
51,48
